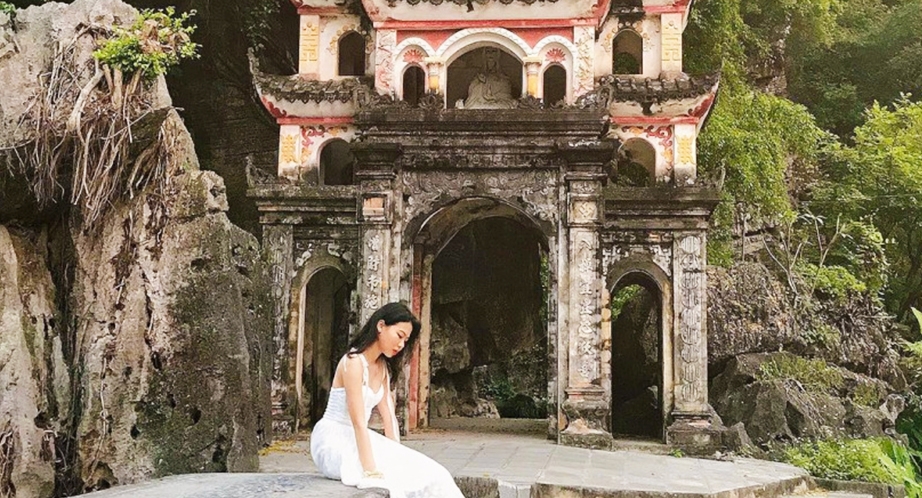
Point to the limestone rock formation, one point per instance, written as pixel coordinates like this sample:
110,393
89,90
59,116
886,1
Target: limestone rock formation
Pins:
137,346
776,408
849,334
171,338
34,381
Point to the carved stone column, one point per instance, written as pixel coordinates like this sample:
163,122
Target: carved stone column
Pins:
278,246
691,425
586,407
375,174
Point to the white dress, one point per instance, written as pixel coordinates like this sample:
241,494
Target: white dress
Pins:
407,473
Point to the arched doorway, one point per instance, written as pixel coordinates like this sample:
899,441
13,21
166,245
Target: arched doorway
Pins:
637,357
485,349
337,163
635,164
555,84
323,339
352,54
627,53
414,85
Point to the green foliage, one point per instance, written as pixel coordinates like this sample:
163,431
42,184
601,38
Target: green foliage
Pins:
623,296
867,394
154,44
258,21
750,141
8,9
878,183
833,281
870,460
823,335
677,453
873,53
814,375
499,389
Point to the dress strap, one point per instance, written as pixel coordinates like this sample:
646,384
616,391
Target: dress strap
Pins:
365,369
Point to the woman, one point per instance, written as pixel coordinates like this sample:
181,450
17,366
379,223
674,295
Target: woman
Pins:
342,445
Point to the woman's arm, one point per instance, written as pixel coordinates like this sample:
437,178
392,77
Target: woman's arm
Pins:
386,410
352,380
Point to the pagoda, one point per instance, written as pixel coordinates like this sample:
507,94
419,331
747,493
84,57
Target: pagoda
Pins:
411,120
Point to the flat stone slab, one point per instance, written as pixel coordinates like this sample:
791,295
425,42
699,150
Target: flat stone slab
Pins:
239,486
530,466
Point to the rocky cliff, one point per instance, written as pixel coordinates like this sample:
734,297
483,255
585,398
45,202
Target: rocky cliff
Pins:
137,346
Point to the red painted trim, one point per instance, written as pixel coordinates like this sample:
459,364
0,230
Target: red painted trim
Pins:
601,11
666,9
320,11
315,121
646,120
417,306
500,23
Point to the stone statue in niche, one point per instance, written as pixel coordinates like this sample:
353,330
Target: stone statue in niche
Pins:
490,88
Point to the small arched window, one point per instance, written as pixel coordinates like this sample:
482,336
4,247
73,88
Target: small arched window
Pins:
636,164
627,53
555,84
352,55
414,85
336,163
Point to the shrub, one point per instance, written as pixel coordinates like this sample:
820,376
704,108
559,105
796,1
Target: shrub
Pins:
8,9
832,281
870,460
155,43
814,375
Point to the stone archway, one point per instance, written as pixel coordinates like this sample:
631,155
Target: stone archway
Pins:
485,277
640,329
320,331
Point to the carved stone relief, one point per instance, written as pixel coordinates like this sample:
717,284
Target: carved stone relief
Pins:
660,254
691,348
374,243
587,337
537,189
277,240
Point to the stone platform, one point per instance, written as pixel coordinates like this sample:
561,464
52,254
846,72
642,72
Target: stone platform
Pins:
514,464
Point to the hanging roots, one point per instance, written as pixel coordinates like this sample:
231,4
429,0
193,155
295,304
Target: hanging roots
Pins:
82,148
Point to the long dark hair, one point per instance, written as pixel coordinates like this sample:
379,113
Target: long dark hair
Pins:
391,313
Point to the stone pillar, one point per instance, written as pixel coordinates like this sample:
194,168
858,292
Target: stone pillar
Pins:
434,67
685,168
278,244
532,66
672,27
586,407
309,47
691,426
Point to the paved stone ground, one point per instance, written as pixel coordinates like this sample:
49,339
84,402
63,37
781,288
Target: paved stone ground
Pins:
513,463
521,462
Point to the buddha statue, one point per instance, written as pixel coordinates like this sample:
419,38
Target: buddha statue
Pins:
490,88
